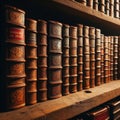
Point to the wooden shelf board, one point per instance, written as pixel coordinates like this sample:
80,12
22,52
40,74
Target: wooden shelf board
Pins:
98,18
66,106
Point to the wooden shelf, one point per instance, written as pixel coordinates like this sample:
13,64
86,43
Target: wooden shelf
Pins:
97,18
66,106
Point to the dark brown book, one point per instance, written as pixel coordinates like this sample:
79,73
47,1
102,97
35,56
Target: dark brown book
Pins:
90,3
86,58
112,8
73,59
82,2
106,60
111,57
115,58
31,60
14,57
92,56
95,5
97,57
80,57
101,6
107,7
102,58
114,109
119,56
42,60
99,114
65,59
54,59
116,9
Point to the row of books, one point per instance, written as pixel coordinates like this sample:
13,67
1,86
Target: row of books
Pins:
107,111
108,7
47,59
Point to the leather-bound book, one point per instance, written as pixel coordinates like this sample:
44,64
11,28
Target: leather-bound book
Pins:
65,59
111,58
109,62
115,58
90,3
97,57
82,2
106,60
118,57
13,43
114,109
112,8
86,58
80,57
42,60
101,6
107,7
92,56
102,58
95,5
101,113
116,8
54,59
73,59
31,61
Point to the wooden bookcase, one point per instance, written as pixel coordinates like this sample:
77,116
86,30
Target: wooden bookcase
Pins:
67,11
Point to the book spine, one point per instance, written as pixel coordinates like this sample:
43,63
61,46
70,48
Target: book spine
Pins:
31,61
55,60
73,59
107,7
109,62
92,56
42,60
101,6
98,57
111,8
119,57
116,9
82,2
95,5
115,58
86,58
90,3
65,59
14,57
102,59
111,57
106,59
80,57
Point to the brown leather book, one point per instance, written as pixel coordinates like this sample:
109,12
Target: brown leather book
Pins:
115,58
114,109
42,60
92,56
101,6
90,3
106,60
97,57
102,58
107,7
82,2
86,58
99,114
54,59
112,8
80,57
31,60
14,57
73,59
118,56
116,9
65,59
95,5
